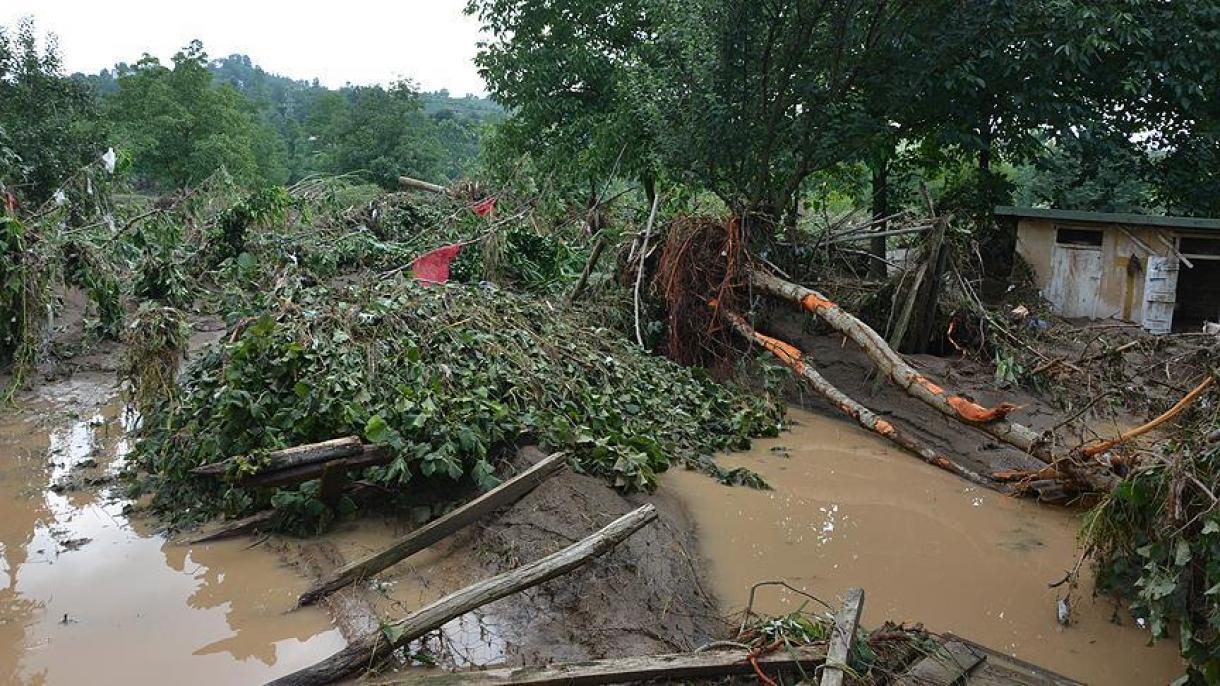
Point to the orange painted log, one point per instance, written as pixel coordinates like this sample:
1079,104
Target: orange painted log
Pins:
990,420
794,359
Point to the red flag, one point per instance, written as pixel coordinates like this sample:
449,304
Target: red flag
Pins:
485,207
433,267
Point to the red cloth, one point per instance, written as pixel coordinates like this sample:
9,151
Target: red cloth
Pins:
433,267
485,207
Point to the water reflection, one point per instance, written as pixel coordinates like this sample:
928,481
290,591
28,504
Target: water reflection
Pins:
82,585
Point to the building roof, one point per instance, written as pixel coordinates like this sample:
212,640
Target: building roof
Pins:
1194,223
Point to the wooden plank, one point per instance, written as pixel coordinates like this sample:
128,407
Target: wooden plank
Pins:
292,457
842,636
237,527
1006,670
943,670
367,652
370,456
678,666
505,494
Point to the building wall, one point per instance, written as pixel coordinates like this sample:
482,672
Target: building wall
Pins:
1121,292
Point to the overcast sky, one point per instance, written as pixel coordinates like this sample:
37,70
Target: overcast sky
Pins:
352,41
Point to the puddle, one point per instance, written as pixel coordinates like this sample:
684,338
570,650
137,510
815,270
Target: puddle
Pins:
848,510
89,595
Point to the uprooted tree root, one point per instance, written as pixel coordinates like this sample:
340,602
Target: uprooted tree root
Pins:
704,258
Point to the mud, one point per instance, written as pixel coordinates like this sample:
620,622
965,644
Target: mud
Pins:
646,596
89,593
849,510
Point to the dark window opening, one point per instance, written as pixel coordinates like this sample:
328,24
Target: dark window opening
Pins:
1198,297
1083,237
1199,246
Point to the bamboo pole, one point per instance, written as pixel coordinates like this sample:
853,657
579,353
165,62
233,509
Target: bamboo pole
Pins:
505,494
991,421
794,360
369,651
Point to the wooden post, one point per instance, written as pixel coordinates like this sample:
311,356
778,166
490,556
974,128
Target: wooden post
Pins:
842,637
367,652
505,494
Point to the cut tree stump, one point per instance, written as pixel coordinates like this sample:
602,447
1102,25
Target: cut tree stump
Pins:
369,651
842,636
505,494
674,667
293,457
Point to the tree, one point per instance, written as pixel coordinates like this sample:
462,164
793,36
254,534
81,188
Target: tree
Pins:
52,122
181,129
559,67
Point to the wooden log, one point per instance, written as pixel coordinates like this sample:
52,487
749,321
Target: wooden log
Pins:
842,637
794,360
988,420
369,456
678,667
505,494
237,527
369,651
415,184
292,457
942,670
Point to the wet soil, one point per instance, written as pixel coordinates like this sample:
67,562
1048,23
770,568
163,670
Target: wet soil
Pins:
847,509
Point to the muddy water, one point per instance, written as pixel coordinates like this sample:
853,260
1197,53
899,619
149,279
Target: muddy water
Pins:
87,595
848,510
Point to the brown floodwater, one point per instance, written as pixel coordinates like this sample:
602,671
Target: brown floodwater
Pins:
849,510
91,595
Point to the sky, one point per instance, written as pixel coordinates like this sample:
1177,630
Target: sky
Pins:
354,41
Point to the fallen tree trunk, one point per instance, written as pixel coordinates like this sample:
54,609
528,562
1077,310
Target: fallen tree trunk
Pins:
292,457
367,652
990,420
794,360
505,494
369,456
679,667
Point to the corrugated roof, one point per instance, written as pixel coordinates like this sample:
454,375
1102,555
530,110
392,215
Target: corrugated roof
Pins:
1195,223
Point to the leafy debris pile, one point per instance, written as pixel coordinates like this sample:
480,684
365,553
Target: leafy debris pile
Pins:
447,376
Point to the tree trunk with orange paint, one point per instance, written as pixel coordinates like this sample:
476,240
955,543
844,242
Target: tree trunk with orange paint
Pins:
794,360
990,420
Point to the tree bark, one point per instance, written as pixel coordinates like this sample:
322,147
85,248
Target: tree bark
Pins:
991,421
794,360
370,650
503,495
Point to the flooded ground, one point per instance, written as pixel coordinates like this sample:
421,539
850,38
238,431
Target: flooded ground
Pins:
89,596
849,510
